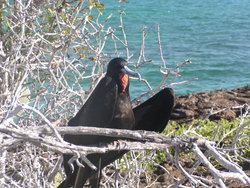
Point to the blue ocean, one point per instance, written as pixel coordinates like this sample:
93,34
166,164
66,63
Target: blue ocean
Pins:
214,34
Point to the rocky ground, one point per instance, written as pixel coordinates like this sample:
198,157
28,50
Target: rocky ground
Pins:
199,105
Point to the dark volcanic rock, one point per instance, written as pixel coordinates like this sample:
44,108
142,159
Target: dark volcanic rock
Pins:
199,105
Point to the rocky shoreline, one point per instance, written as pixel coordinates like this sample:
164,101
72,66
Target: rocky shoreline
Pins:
199,105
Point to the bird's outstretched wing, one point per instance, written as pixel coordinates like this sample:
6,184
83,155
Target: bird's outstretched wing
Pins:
97,111
154,113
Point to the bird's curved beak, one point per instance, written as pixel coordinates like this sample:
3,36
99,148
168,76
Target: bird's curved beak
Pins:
128,71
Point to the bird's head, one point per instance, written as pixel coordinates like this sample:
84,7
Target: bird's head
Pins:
117,69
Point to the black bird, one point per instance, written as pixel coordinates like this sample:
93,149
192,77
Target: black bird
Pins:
152,115
108,106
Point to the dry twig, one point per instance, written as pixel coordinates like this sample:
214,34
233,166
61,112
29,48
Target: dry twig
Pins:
52,54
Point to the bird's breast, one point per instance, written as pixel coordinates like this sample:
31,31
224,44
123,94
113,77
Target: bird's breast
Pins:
123,115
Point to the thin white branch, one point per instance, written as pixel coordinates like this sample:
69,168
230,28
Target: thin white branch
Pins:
210,167
160,47
227,164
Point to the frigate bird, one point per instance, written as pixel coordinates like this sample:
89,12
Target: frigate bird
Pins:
108,106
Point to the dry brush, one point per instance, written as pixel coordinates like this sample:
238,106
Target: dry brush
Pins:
52,54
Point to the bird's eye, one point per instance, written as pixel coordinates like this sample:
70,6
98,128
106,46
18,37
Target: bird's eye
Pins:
123,64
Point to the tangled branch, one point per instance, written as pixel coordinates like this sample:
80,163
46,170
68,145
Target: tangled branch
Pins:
52,54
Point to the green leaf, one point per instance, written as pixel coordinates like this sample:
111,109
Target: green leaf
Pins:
99,5
90,17
50,10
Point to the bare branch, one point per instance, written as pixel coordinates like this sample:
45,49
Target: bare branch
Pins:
52,55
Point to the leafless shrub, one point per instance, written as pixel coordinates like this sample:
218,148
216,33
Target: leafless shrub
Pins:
52,54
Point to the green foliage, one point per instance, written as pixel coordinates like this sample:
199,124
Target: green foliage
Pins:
58,179
160,157
222,132
97,5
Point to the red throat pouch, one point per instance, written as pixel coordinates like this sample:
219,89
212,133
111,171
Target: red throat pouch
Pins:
124,81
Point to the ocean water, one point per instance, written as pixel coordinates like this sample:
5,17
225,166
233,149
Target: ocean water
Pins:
215,34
